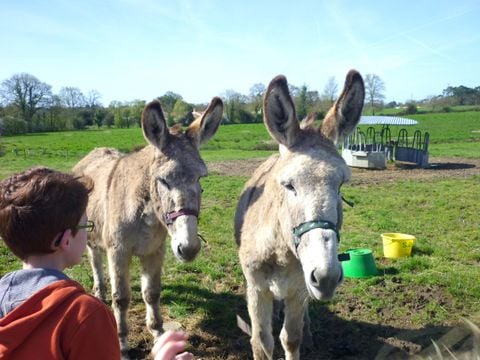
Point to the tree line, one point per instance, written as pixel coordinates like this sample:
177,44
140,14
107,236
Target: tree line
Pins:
29,105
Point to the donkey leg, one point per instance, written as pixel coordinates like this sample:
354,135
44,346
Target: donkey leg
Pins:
260,307
99,287
291,334
119,266
151,286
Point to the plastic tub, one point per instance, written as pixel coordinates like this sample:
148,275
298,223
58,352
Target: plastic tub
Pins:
396,245
360,265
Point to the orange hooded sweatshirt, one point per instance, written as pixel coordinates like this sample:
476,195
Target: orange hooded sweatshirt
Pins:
60,321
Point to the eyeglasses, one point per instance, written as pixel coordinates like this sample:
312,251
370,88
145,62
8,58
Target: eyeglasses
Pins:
89,226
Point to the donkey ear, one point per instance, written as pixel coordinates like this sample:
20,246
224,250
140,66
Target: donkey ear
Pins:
309,121
203,128
279,112
344,115
154,126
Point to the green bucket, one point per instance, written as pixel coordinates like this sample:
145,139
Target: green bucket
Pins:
360,265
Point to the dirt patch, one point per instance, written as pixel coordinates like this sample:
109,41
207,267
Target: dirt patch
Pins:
438,168
339,331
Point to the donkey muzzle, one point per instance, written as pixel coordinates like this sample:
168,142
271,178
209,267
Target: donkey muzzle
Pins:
324,284
183,230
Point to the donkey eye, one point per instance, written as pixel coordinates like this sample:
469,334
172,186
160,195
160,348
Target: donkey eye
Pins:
290,187
163,182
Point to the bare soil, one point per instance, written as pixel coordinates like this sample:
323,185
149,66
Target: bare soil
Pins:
341,334
438,168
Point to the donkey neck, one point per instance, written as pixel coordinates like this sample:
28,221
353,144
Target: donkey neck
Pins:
275,217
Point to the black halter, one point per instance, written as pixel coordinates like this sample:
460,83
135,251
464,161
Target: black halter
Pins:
301,229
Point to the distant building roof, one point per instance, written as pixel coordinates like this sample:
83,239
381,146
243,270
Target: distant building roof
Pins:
386,120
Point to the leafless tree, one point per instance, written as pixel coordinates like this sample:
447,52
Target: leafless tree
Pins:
330,90
92,99
374,88
256,94
72,97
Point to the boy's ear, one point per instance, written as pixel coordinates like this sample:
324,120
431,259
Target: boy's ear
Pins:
61,240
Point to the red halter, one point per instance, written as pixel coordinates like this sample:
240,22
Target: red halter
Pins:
173,215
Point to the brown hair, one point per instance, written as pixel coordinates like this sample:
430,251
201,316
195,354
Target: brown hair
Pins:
38,204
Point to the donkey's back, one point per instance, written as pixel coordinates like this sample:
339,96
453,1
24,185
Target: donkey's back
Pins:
98,165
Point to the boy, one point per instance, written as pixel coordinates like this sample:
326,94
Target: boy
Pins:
43,313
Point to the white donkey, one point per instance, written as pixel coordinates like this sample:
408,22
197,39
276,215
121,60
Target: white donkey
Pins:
290,212
140,197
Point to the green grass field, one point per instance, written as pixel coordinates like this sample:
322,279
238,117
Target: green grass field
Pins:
205,295
451,134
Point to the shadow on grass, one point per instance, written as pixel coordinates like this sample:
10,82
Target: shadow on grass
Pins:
418,251
434,166
449,166
387,270
218,333
338,338
334,337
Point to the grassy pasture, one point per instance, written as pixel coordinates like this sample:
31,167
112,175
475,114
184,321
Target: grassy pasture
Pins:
434,288
451,134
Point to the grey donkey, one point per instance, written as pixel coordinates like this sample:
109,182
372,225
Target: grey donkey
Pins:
141,197
289,215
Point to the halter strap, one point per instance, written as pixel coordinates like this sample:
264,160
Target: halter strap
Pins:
173,215
301,229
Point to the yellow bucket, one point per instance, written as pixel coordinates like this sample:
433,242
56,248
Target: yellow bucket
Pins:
397,245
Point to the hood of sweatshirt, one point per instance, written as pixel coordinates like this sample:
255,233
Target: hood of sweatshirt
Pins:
17,286
18,324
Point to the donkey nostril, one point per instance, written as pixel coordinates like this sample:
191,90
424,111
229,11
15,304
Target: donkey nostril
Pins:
179,250
313,279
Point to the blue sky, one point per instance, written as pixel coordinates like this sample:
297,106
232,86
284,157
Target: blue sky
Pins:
139,49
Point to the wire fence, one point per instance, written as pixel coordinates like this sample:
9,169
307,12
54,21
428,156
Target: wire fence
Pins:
44,152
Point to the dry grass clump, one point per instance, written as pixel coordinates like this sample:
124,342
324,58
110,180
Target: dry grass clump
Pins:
460,343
